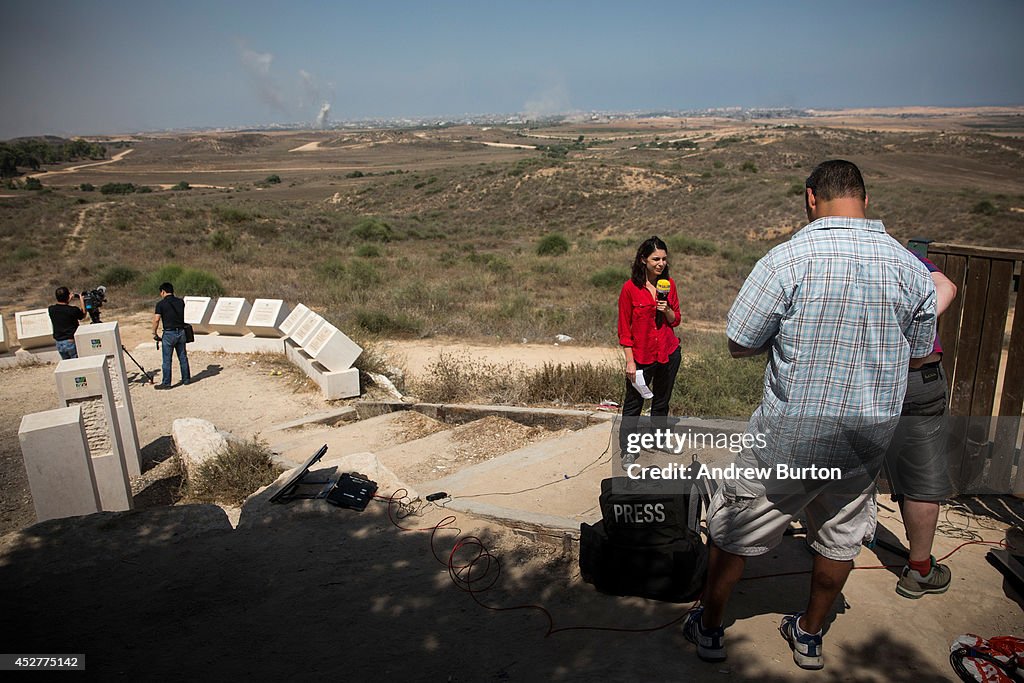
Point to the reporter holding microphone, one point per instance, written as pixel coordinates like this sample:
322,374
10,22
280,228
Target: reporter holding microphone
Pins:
648,312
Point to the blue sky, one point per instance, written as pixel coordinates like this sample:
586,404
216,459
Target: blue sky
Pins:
109,66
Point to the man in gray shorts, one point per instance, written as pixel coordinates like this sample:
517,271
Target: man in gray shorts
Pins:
841,309
917,461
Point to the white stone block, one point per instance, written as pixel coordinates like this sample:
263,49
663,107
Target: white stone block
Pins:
229,316
104,339
294,319
34,328
5,340
333,385
85,382
198,310
197,442
266,317
216,343
60,471
332,348
307,329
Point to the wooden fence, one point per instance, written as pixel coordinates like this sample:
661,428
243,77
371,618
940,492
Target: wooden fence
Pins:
976,351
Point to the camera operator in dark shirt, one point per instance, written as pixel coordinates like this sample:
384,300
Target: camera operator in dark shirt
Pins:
64,319
171,311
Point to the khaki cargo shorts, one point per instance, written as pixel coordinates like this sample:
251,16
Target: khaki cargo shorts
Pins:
744,519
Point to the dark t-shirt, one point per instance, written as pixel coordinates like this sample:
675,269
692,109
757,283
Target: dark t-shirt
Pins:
171,309
64,319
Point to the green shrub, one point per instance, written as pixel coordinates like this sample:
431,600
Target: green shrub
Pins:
229,214
24,253
369,251
611,277
222,241
87,187
797,188
379,322
682,244
117,188
362,275
143,189
118,275
33,184
182,185
331,269
186,281
553,245
372,230
985,208
748,167
573,384
354,174
272,179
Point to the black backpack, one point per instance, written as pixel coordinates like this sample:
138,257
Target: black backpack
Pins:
648,544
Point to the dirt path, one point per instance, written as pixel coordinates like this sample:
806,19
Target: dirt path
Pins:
73,243
73,169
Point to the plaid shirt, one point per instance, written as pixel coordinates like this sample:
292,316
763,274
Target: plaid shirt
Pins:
845,307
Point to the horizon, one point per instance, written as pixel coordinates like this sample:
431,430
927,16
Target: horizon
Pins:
106,67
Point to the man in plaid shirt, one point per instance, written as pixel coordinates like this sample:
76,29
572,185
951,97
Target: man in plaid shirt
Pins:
841,308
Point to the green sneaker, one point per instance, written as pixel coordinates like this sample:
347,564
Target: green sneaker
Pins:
912,585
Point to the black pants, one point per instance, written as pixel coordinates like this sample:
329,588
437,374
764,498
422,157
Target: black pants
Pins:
660,377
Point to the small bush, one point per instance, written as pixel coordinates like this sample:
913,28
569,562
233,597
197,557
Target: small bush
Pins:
362,275
187,282
24,253
682,244
87,187
272,179
379,322
229,214
553,245
372,230
33,184
797,188
611,277
143,189
985,208
354,174
117,188
368,251
234,474
748,167
331,269
574,384
183,185
119,275
222,241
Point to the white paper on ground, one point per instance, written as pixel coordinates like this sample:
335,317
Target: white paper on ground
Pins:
641,386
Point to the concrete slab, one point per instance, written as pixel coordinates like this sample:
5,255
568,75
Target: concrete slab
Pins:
373,435
324,417
553,483
218,343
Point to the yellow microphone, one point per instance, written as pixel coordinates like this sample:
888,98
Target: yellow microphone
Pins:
663,287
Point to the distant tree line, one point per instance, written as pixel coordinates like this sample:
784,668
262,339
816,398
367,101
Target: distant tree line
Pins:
34,152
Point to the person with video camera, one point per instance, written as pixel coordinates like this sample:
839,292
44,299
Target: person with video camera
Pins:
170,310
64,319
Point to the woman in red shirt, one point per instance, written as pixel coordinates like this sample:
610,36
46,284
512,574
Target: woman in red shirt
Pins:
647,314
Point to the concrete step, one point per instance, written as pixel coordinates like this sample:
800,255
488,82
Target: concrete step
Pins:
373,434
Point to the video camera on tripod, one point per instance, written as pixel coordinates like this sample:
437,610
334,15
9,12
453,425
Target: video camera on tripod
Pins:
93,300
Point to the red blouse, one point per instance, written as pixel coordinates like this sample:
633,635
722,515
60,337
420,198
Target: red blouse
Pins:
651,343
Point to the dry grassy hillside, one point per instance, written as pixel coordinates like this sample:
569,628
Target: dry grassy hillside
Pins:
425,232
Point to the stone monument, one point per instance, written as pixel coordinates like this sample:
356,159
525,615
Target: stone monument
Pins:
60,471
197,313
85,383
266,317
229,316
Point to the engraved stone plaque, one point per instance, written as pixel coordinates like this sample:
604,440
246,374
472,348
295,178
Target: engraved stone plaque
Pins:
229,316
197,313
266,316
294,319
34,328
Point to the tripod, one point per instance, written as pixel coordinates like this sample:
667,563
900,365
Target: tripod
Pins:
148,376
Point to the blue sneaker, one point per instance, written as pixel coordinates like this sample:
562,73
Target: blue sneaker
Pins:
806,646
710,642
